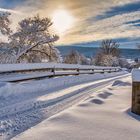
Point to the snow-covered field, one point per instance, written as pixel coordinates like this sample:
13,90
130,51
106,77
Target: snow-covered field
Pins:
104,115
23,105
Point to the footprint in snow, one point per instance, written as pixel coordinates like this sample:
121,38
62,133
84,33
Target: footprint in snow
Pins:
97,101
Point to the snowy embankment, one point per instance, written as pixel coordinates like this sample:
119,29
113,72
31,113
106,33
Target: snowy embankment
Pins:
104,115
23,105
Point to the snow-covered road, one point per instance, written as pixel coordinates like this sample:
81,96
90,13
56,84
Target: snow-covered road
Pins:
26,104
104,115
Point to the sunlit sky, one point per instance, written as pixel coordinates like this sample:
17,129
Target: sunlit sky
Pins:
81,21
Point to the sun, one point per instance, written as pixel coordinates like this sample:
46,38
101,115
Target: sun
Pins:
62,21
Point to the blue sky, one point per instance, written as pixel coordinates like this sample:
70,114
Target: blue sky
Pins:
10,4
95,20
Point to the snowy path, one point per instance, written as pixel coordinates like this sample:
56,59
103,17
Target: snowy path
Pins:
105,115
23,112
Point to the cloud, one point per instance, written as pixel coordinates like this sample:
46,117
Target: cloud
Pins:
10,11
95,19
114,27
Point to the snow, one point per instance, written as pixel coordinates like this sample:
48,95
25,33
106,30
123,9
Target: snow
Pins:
104,115
47,84
136,75
39,66
23,105
20,76
3,14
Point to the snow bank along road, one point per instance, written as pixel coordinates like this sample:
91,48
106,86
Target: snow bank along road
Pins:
23,105
104,115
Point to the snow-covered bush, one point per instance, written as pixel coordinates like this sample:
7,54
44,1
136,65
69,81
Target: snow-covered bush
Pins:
74,57
134,63
107,60
32,42
110,60
92,61
123,63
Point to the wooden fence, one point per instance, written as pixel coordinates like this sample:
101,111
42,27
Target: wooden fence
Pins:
22,72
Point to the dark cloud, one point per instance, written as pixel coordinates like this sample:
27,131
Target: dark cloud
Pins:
134,23
127,8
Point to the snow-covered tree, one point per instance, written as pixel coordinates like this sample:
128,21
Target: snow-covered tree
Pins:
4,31
110,47
5,52
4,23
32,42
108,54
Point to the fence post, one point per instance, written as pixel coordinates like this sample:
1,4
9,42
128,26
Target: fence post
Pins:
53,70
136,91
78,70
103,71
92,71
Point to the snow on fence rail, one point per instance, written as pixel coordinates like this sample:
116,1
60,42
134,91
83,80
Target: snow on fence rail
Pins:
49,70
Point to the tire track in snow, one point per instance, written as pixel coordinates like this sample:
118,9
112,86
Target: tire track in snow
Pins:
15,120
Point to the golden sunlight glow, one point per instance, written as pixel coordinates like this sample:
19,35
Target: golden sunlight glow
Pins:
62,21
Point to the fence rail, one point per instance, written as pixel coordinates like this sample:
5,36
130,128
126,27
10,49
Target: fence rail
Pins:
22,72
